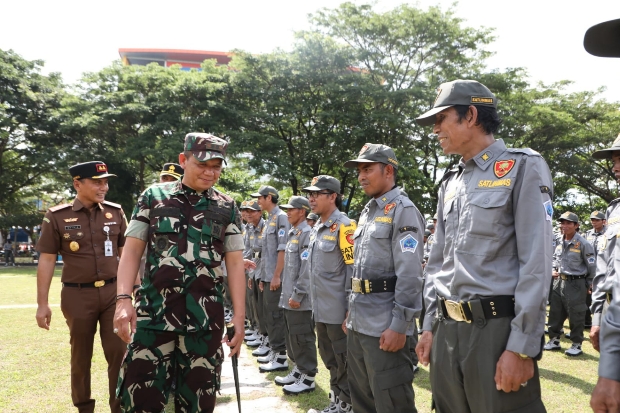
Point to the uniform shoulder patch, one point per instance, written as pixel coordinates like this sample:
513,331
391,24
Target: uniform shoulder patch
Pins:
407,228
545,189
346,241
112,204
59,207
408,244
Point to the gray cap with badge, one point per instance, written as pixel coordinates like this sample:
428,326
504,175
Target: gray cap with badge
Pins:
458,92
323,182
597,215
298,202
606,153
264,191
569,216
374,152
312,216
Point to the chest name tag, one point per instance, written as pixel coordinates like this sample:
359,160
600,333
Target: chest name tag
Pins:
107,246
69,227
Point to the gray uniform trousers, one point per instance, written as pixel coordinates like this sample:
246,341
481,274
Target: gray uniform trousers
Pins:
412,342
333,350
301,340
463,363
250,302
274,318
260,311
380,381
568,300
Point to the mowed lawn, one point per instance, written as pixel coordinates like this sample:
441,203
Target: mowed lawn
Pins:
34,363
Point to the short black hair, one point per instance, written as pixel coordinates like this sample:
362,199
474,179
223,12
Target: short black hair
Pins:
488,118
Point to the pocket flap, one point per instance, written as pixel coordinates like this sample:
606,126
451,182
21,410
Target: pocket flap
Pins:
394,377
489,199
381,231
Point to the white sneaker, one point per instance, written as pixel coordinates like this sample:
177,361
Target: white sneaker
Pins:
344,407
266,359
553,344
252,337
332,408
290,378
249,331
263,349
278,363
256,343
574,350
304,384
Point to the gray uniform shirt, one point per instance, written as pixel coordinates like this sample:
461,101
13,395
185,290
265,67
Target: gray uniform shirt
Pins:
427,247
275,232
603,279
593,237
295,278
494,237
253,246
330,277
388,242
609,362
575,257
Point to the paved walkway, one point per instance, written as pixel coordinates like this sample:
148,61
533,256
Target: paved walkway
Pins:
257,393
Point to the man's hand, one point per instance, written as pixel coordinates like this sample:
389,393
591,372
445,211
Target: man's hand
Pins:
44,316
261,286
125,319
275,283
250,283
235,343
511,371
249,264
606,396
293,304
392,341
594,335
555,274
423,349
344,323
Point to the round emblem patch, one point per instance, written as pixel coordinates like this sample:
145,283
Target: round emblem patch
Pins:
74,246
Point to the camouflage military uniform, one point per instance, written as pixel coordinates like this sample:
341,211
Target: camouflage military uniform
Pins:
180,317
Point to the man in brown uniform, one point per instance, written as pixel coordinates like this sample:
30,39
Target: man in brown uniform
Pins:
89,234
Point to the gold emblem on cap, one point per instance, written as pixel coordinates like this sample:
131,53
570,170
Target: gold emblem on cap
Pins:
364,149
74,246
108,215
171,169
66,236
314,180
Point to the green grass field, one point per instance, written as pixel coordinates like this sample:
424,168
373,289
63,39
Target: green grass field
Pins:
34,363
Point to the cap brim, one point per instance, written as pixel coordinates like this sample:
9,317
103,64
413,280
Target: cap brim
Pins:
287,206
353,162
428,118
311,189
204,156
605,153
568,220
172,174
255,195
101,176
603,39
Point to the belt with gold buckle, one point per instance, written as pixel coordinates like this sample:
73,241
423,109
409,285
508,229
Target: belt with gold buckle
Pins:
356,285
455,310
96,284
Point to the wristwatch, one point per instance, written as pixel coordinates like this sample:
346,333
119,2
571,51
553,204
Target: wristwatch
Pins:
522,356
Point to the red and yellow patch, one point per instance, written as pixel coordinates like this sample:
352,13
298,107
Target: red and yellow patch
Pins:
388,208
502,167
102,167
314,180
333,228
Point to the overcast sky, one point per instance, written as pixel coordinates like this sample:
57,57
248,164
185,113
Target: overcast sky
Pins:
543,36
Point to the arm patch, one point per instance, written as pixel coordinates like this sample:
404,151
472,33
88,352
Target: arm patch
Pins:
405,229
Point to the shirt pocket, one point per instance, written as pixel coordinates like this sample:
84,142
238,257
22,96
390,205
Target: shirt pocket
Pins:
488,214
211,245
164,236
381,241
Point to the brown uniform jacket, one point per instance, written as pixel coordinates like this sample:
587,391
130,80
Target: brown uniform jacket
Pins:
73,232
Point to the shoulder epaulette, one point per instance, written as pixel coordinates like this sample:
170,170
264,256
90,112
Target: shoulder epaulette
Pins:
344,219
59,207
112,204
405,201
615,201
527,151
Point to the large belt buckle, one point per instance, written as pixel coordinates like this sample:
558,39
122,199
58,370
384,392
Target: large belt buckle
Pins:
99,283
356,285
564,277
455,311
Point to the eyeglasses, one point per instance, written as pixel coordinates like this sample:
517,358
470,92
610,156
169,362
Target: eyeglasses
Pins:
316,194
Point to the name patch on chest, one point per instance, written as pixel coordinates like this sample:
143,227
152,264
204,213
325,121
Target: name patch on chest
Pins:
488,183
387,220
329,237
69,227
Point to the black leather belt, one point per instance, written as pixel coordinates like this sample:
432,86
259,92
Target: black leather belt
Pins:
608,296
96,284
373,286
572,277
493,307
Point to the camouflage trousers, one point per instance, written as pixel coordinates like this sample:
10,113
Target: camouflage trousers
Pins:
154,356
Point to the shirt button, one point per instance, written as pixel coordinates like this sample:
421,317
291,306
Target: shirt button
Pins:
93,232
466,181
486,200
94,245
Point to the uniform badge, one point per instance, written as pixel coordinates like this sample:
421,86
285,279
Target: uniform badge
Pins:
502,168
298,233
74,246
281,233
334,227
70,219
364,149
577,244
46,220
314,181
591,260
548,210
80,234
108,215
304,255
66,236
408,244
388,208
485,156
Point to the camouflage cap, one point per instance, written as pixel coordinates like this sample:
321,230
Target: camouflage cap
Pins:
606,153
458,92
264,191
298,202
323,182
603,39
173,169
597,215
91,170
374,152
252,205
569,216
205,146
312,216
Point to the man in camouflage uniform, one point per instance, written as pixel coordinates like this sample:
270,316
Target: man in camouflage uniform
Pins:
386,294
330,266
573,270
272,263
189,228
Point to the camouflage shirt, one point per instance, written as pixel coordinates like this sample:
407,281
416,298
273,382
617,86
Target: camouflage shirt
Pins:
188,235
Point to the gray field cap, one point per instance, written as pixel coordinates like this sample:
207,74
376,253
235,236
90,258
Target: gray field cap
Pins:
597,215
374,152
250,204
458,92
603,39
264,191
298,202
606,153
322,182
569,216
312,216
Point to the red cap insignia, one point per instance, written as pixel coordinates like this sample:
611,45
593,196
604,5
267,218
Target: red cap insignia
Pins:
314,180
364,149
502,168
388,208
101,167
